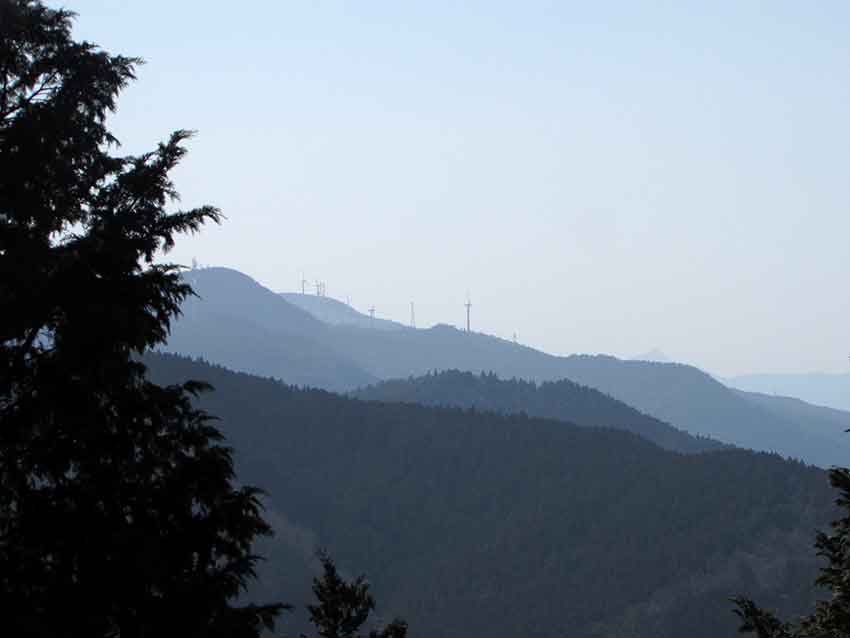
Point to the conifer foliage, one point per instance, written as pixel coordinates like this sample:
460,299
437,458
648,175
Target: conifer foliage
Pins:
344,606
118,510
831,617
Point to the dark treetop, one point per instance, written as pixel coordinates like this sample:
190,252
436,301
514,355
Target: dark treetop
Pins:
118,509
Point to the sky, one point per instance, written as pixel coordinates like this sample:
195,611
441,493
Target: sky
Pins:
605,177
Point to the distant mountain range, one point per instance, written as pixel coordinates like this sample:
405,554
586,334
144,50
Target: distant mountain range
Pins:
240,324
470,523
655,355
237,322
832,390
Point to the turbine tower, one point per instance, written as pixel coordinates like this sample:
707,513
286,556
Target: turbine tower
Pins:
468,305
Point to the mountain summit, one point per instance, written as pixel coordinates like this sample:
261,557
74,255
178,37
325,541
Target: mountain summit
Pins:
655,355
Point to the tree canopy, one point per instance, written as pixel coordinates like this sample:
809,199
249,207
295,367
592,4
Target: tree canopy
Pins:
119,512
831,617
343,607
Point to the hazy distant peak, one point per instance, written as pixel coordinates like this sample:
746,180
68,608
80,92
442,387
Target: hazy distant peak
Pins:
337,313
655,355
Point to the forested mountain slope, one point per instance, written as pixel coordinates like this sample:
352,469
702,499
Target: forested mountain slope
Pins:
470,523
561,400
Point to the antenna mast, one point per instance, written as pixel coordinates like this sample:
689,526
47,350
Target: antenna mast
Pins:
468,305
412,316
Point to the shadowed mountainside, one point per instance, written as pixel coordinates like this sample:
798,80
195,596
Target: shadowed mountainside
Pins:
471,523
560,400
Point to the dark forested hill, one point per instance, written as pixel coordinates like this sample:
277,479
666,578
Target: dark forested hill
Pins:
245,326
562,400
474,524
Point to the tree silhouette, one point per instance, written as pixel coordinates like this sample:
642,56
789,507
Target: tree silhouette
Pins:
118,510
831,617
344,606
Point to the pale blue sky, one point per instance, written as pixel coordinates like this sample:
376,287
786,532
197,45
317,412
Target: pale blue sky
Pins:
603,177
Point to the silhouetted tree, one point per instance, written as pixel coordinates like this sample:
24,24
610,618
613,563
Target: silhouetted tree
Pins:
344,606
831,617
118,511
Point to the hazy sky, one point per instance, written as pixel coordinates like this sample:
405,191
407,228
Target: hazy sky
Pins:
603,177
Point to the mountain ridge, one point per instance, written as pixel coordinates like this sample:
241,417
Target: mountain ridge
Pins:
561,400
335,312
297,348
830,390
